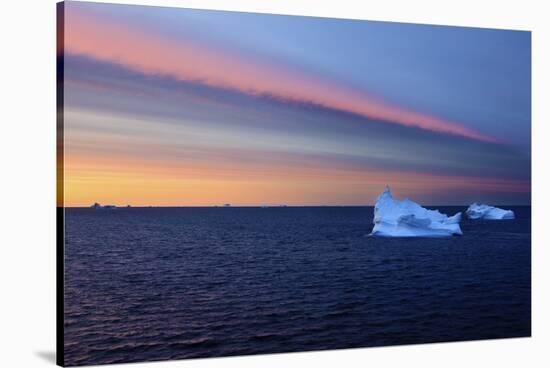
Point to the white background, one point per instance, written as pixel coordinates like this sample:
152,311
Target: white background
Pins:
27,185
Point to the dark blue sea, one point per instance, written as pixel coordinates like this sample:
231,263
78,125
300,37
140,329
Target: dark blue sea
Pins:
144,284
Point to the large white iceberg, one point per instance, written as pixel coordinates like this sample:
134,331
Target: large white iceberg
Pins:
408,219
485,212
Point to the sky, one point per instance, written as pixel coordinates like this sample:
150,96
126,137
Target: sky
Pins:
181,107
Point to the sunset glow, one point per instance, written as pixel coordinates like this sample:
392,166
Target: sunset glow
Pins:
173,111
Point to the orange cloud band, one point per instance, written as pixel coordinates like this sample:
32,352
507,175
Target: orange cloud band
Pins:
141,182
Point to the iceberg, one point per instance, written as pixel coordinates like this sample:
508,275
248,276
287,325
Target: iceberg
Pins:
97,206
485,212
406,218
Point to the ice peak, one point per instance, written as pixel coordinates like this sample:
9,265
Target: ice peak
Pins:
386,194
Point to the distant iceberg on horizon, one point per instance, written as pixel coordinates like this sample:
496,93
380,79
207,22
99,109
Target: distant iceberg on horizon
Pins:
478,211
106,207
394,218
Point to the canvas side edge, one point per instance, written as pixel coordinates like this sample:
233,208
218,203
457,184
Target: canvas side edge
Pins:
60,214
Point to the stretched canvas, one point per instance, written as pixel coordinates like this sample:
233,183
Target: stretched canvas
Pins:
237,183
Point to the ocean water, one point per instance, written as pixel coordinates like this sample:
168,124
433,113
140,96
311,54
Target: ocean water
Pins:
145,284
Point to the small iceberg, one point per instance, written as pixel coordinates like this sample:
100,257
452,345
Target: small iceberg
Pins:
485,212
406,218
97,206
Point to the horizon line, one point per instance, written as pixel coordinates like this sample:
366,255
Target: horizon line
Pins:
287,206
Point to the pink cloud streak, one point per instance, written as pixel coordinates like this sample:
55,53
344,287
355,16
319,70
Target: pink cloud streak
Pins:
186,60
